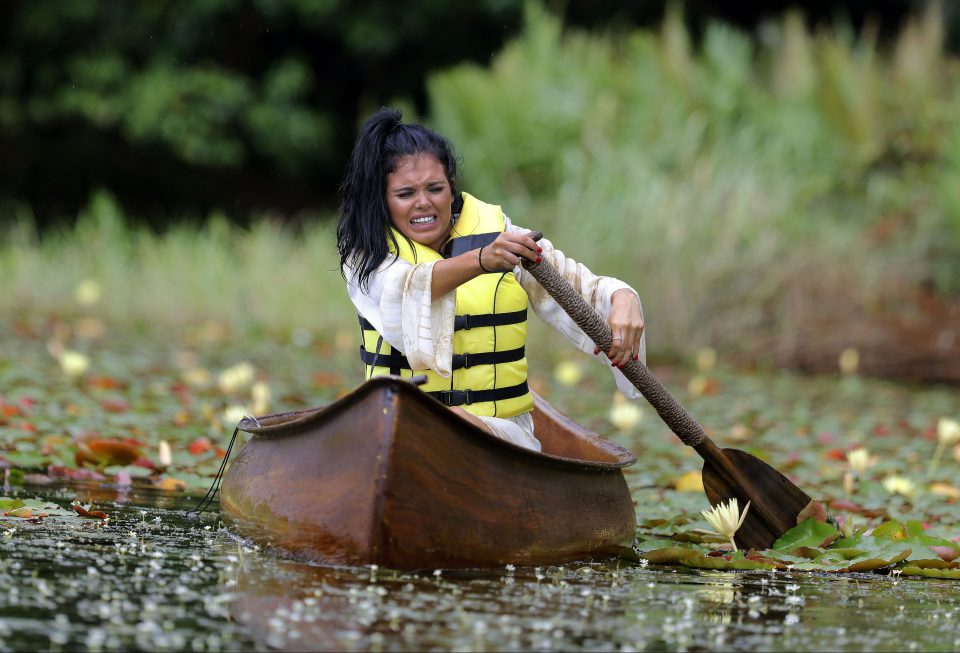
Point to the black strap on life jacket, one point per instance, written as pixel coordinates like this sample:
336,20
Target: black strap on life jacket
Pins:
460,397
397,361
463,244
468,322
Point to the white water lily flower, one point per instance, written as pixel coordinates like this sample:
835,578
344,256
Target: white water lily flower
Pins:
726,518
899,485
88,292
948,431
860,460
73,363
236,377
165,453
232,415
948,434
624,414
261,397
849,361
706,359
568,373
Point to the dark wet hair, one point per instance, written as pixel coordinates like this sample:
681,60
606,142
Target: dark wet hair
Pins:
362,227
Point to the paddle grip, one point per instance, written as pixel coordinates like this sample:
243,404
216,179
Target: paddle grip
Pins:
686,428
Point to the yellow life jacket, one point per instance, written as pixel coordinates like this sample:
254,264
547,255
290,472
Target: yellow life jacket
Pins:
490,329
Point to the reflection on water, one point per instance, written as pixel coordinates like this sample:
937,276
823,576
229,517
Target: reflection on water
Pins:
152,579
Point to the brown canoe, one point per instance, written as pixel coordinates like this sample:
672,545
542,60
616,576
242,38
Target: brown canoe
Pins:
388,476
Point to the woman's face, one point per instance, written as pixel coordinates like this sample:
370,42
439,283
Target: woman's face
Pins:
419,197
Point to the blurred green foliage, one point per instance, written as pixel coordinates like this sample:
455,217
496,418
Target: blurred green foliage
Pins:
229,103
796,188
184,106
736,158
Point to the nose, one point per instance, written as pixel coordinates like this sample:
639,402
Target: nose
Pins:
422,199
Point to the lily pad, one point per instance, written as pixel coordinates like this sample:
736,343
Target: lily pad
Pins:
809,533
953,574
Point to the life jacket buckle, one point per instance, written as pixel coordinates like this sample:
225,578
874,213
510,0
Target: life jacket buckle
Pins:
466,322
455,397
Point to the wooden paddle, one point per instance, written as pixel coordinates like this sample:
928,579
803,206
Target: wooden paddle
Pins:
776,504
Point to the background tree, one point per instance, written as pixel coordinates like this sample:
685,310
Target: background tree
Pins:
186,106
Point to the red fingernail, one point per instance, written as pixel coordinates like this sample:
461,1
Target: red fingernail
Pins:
637,357
539,250
539,259
613,364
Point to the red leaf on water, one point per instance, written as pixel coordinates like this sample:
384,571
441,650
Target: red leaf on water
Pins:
835,454
107,451
59,471
171,484
144,462
813,510
327,379
114,404
825,437
83,512
849,506
104,382
199,446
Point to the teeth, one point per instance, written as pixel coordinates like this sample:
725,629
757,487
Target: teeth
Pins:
429,218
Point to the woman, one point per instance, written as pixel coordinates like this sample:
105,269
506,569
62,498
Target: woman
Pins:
436,279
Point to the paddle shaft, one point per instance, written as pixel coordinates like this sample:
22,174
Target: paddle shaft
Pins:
671,412
776,504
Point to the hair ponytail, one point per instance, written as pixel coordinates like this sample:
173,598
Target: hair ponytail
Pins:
364,219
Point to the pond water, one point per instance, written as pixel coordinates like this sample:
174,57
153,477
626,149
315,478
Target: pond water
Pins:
151,578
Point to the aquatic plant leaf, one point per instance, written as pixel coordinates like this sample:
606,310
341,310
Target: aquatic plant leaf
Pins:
912,570
892,529
642,546
838,555
936,563
170,484
698,561
10,504
872,564
946,553
200,445
84,511
849,506
809,533
107,451
690,482
814,510
25,512
671,555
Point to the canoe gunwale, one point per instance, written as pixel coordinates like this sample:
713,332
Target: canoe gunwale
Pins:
294,422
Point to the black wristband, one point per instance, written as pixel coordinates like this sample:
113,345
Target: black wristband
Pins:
480,260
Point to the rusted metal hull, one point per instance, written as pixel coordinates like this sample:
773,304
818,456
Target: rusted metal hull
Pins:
388,476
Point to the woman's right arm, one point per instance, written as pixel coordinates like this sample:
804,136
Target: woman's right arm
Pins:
502,255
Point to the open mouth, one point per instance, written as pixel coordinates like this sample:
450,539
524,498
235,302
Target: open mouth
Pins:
424,221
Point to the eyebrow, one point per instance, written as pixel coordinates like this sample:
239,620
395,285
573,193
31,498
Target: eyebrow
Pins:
410,187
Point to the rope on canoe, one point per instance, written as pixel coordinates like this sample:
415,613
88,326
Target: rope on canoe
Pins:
207,499
686,428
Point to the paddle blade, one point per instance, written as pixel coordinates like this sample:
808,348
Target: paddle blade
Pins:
775,502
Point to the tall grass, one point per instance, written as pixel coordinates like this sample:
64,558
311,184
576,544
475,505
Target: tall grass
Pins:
267,278
741,186
734,184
